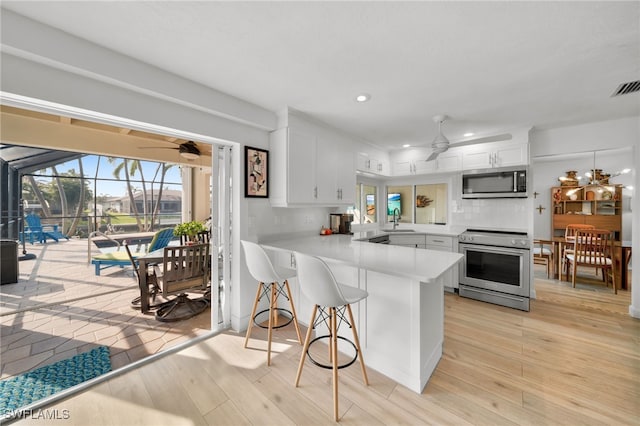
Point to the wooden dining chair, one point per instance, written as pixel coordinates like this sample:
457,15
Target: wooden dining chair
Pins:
569,238
543,255
593,248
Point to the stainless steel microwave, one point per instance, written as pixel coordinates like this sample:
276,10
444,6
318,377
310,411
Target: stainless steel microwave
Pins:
507,182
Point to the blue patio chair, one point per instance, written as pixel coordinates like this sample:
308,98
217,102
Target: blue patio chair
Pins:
36,231
160,240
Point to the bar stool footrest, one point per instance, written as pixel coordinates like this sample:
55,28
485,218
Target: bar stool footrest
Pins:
329,366
288,315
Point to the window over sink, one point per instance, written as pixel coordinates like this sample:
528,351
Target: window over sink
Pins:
419,204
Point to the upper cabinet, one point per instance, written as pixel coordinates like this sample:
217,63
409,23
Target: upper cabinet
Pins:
372,161
495,154
310,169
414,162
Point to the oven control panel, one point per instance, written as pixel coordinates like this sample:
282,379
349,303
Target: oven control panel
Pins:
500,239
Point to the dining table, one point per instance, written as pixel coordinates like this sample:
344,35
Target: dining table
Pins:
621,247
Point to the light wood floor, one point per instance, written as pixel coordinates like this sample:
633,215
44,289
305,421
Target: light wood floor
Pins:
574,359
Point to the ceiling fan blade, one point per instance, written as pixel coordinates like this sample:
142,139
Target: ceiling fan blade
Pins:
433,156
495,138
157,147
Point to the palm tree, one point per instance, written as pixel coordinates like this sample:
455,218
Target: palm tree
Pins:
79,208
136,166
119,168
38,193
164,167
63,197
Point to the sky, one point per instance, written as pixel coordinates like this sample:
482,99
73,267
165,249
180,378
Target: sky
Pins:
98,166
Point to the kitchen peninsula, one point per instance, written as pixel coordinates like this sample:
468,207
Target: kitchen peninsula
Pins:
401,323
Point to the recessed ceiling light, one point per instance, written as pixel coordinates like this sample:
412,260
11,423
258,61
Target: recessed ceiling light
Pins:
406,145
466,135
363,97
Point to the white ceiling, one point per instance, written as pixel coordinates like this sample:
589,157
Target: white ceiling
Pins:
490,66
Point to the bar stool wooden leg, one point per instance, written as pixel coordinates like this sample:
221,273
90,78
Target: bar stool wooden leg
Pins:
293,311
305,346
272,309
330,346
334,361
357,342
253,314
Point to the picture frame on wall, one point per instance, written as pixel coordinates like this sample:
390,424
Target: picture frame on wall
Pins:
256,175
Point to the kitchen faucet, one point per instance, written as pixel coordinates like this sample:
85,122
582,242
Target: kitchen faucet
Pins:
396,218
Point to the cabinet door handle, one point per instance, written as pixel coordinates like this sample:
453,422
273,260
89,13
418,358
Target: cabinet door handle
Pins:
438,241
315,192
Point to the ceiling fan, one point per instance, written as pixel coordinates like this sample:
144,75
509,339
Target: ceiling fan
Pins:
441,144
188,150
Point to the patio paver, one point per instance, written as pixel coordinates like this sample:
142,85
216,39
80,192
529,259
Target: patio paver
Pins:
60,308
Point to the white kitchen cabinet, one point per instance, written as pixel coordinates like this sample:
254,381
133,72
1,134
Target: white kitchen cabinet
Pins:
449,161
414,162
307,170
445,243
370,164
410,240
410,162
496,154
431,242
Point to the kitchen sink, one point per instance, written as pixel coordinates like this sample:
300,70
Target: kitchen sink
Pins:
398,230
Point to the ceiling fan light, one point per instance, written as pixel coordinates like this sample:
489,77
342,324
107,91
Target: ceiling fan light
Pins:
189,155
189,150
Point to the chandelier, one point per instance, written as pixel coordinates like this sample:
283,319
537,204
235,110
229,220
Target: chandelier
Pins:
594,178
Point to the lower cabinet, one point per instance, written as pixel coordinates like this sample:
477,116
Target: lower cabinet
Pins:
445,243
430,242
411,240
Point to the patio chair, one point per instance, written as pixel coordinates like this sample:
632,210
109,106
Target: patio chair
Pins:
36,231
183,269
151,280
119,258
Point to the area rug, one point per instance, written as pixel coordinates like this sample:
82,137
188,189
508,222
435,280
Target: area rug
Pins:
40,383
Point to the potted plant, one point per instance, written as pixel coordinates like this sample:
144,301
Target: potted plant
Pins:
189,229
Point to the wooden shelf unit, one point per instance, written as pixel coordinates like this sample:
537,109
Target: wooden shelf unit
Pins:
591,206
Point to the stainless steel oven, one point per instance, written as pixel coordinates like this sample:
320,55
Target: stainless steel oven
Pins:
496,267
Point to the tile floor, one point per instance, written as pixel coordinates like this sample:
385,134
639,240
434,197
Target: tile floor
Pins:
60,308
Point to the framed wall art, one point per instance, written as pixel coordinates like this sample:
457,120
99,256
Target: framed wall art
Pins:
256,176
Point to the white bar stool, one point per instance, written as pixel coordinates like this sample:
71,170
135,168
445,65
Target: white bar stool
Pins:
320,286
272,282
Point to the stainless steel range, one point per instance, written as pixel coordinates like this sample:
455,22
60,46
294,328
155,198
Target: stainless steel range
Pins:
496,267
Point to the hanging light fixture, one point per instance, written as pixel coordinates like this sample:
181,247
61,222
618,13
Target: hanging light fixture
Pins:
594,177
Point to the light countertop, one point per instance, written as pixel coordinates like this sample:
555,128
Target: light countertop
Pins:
449,231
416,264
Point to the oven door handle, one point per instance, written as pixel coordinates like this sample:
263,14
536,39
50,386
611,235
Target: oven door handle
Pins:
492,249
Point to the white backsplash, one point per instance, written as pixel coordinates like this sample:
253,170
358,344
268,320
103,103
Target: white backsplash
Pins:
266,222
499,213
